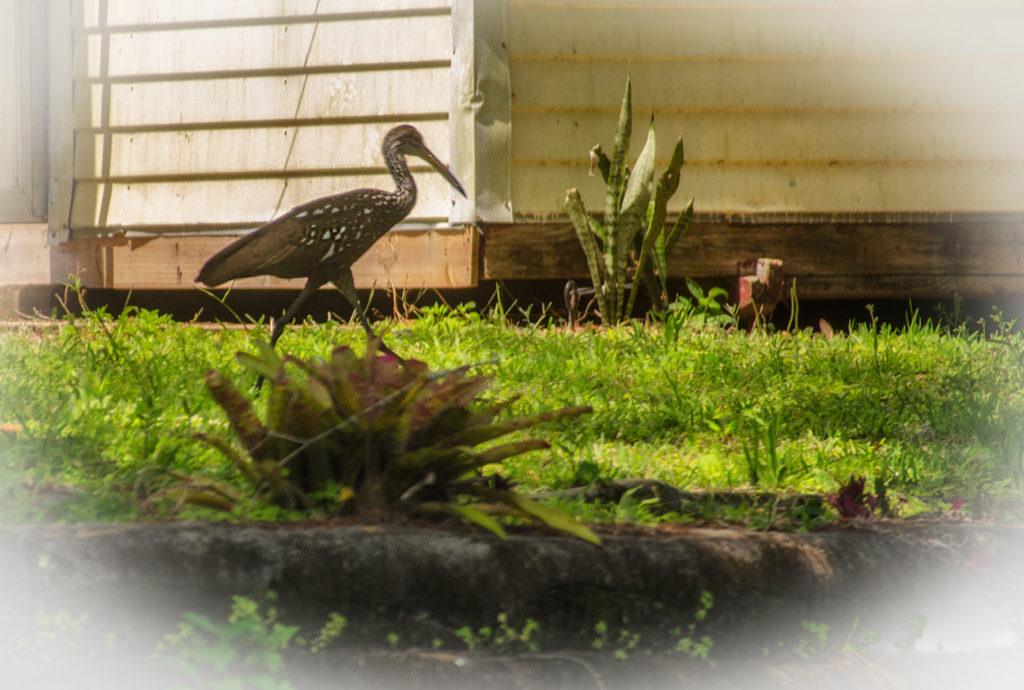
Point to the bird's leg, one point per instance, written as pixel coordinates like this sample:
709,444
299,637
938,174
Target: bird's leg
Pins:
312,285
347,286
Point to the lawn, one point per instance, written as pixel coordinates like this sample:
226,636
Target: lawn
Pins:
96,412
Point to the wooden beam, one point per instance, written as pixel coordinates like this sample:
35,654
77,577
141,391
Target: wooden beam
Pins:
909,286
436,258
970,256
974,256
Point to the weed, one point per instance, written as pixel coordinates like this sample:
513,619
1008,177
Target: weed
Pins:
632,509
697,649
851,501
507,637
601,632
687,643
813,639
621,645
809,514
246,651
627,642
709,307
862,643
504,639
330,632
770,467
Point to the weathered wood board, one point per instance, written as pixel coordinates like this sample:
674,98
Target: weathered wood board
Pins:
437,258
972,257
838,259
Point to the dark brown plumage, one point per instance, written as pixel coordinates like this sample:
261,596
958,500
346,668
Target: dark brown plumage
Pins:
321,239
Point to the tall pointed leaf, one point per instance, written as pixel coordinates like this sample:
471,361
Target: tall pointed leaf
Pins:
550,515
234,457
317,375
265,362
654,236
343,361
668,183
634,209
239,411
651,236
481,434
581,224
681,225
668,239
508,450
620,154
553,517
618,174
467,513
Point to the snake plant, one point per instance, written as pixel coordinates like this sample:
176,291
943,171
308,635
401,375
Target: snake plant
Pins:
632,238
351,434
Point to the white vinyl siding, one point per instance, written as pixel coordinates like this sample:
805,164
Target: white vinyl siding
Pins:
193,116
22,111
816,107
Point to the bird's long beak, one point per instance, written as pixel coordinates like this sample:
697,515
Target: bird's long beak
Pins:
435,163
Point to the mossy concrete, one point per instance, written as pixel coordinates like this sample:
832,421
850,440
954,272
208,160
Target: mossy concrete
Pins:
424,583
411,577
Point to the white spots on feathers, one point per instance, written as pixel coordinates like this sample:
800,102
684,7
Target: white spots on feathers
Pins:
329,253
327,235
367,211
322,210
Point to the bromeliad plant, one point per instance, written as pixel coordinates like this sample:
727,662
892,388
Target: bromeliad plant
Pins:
354,434
633,238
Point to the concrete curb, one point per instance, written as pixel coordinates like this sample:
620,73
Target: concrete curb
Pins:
428,583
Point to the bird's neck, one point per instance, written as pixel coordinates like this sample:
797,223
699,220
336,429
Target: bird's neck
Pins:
405,187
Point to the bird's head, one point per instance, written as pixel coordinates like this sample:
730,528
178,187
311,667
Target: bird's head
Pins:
407,140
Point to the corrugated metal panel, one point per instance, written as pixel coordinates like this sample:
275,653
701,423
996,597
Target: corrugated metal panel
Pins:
785,106
210,115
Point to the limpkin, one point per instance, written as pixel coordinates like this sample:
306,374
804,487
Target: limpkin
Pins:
321,239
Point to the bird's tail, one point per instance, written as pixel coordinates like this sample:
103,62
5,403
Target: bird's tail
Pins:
227,264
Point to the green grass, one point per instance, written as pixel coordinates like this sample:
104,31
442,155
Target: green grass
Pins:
96,412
